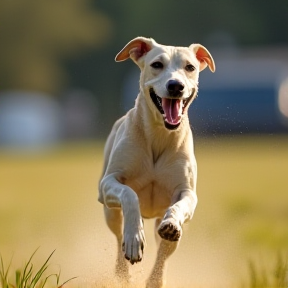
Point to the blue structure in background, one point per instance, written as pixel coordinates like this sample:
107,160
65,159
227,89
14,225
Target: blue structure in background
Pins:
236,110
241,97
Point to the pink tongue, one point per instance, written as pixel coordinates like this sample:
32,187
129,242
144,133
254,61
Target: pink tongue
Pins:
171,109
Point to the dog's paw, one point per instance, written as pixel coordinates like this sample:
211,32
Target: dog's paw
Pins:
170,230
133,246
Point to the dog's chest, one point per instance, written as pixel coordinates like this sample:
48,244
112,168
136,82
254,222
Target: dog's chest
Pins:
154,199
154,183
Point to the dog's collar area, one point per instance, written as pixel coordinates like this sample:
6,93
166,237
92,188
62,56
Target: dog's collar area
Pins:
173,110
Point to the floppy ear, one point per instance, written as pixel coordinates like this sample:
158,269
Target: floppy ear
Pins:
203,56
135,49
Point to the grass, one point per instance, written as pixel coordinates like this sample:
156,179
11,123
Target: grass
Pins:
28,277
261,278
50,200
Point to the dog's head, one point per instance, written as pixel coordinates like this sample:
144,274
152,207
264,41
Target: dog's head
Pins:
169,76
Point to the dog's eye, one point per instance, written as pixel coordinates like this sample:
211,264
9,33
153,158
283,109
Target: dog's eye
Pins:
189,68
157,65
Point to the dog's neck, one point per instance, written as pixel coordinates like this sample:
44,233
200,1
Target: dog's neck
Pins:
151,123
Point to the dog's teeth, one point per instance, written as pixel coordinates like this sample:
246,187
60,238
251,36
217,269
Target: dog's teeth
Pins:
181,108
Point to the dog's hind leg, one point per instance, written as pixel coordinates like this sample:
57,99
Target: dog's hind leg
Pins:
114,220
165,249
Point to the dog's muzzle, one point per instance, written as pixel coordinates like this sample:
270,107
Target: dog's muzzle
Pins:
171,109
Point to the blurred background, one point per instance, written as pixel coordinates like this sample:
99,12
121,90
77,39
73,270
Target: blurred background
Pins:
61,91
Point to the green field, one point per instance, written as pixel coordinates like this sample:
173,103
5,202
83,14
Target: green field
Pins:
50,200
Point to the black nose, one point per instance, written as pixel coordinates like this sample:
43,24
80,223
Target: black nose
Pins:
175,88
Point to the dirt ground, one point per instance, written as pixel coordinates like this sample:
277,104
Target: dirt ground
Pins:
50,200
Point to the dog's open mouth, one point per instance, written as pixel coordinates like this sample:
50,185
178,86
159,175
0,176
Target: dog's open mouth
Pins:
172,109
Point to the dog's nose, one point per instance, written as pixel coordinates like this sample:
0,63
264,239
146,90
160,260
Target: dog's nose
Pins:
175,88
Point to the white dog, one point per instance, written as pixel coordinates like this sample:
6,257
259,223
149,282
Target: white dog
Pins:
150,169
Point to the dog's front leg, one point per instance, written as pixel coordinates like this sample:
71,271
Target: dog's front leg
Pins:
165,250
181,211
119,195
170,229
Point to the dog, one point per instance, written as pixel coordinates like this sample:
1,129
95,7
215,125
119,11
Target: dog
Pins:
150,170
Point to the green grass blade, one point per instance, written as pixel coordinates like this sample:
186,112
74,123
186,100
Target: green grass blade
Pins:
66,282
40,272
4,274
37,277
7,271
27,276
3,279
18,278
281,272
24,275
45,280
253,275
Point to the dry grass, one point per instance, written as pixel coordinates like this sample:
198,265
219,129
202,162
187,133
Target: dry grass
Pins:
50,200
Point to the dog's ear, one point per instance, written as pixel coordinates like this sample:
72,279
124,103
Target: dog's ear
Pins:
203,56
135,49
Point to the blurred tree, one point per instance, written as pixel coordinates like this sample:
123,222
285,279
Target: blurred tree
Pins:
255,22
37,35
